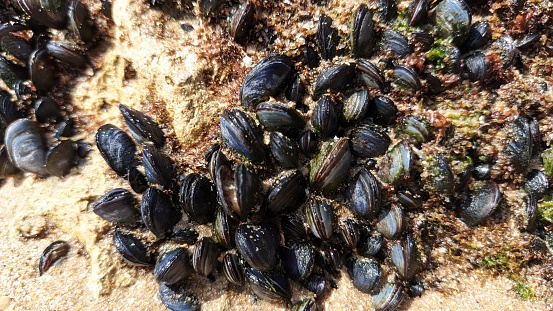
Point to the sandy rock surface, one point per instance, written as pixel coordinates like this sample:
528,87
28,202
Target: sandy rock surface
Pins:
170,68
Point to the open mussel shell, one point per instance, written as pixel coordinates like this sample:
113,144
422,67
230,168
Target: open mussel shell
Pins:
242,21
279,117
117,148
204,257
132,249
158,212
405,257
158,167
334,79
319,213
406,78
266,79
391,222
356,106
370,74
362,33
369,141
388,298
284,150
273,286
224,229
365,273
117,206
298,260
198,198
331,166
325,118
258,244
241,134
396,42
238,192
61,157
173,266
476,205
176,298
327,38
142,127
396,165
366,196
453,19
286,194
26,146
233,268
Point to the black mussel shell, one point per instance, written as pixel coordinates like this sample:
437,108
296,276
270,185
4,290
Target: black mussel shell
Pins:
316,283
371,244
331,166
415,289
279,117
332,257
506,49
117,148
406,78
67,54
187,235
536,182
408,200
233,268
10,73
319,213
61,158
327,38
325,118
307,304
311,57
173,266
391,222
47,110
415,130
424,39
224,229
476,66
453,19
117,206
356,106
210,7
531,212
16,46
142,127
43,71
273,285
131,249
8,109
397,43
383,110
370,74
527,40
388,298
54,252
295,91
242,21
396,165
177,299
522,143
476,205
369,141
308,142
240,133
418,12
362,34
284,150
287,193
478,35
26,146
80,22
52,14
266,79
158,212
240,193
366,196
298,260
293,228
334,79
405,257
258,244
137,180
198,198
204,257
364,272
158,167
350,232
438,176
387,10
6,166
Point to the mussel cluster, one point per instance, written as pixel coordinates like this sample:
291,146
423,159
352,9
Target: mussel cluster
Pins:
298,188
43,47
